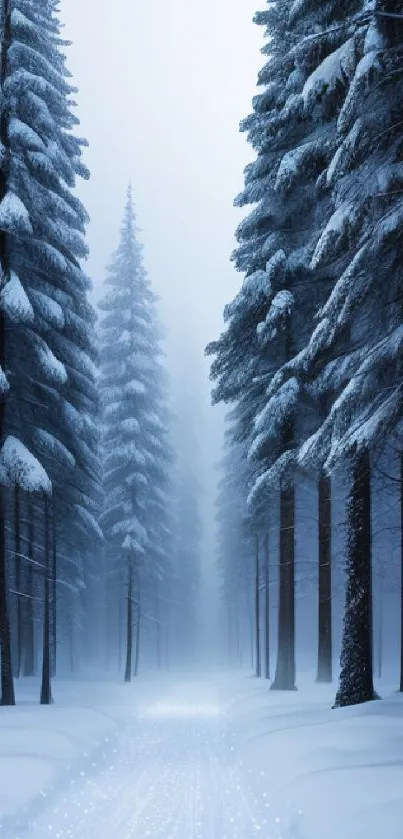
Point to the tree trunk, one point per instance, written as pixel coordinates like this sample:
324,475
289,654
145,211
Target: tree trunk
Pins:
258,670
324,671
137,654
401,573
29,626
120,633
380,625
229,630
267,604
159,636
285,665
356,677
54,593
249,597
129,627
17,565
46,692
7,685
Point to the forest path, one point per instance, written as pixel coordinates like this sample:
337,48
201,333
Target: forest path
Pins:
174,775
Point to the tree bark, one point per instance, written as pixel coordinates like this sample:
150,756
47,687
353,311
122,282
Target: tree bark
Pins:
29,626
356,677
258,670
324,666
285,665
401,573
380,625
129,625
17,566
46,691
7,685
267,605
137,653
54,593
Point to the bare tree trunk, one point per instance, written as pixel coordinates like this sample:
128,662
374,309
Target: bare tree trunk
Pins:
380,625
17,566
251,622
138,627
159,640
258,670
324,667
356,677
120,634
54,593
285,665
267,604
129,625
46,691
29,625
401,573
7,685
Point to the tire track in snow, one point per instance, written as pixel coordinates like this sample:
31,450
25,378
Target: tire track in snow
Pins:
175,776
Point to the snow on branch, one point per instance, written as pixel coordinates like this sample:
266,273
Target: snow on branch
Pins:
14,301
14,216
4,385
19,467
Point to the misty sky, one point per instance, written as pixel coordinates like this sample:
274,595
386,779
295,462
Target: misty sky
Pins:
163,85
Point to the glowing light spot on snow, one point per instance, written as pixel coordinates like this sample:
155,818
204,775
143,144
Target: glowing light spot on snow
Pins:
176,711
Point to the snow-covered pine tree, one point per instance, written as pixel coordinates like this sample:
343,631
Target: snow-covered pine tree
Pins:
48,349
322,38
258,336
135,440
355,349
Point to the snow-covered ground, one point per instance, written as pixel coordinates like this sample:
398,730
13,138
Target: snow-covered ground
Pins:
209,758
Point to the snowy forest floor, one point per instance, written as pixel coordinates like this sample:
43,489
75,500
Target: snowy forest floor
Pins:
210,758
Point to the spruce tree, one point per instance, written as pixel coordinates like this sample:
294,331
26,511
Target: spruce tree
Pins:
47,354
135,437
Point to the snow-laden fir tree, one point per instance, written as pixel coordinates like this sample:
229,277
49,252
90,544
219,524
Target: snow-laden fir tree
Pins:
136,452
304,130
263,322
355,350
46,351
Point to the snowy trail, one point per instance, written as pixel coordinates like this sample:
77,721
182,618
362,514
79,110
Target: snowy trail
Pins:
174,775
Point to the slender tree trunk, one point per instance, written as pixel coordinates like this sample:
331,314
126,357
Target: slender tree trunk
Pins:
17,566
237,639
54,593
129,625
401,573
7,685
230,632
267,604
285,665
159,639
324,671
138,627
120,634
46,691
356,677
29,625
257,611
380,625
71,644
